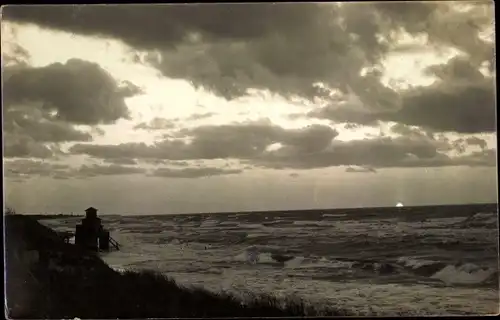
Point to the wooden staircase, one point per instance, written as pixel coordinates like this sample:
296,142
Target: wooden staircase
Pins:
114,243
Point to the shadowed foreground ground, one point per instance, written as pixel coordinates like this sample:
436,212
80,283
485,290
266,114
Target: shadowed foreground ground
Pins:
47,278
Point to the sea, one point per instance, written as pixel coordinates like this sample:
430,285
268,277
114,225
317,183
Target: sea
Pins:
434,260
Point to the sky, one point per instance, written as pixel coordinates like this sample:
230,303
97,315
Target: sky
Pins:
165,109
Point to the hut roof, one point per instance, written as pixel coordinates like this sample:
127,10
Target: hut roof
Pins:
90,209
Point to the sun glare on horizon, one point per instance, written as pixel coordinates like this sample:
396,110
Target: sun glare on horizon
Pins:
399,205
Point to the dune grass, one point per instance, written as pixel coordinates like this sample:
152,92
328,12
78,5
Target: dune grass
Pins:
150,295
84,286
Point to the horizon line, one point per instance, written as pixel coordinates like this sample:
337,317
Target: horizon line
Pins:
273,211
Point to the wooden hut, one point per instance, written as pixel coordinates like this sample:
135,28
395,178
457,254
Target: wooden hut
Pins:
90,233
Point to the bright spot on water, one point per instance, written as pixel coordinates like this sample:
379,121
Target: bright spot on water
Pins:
399,205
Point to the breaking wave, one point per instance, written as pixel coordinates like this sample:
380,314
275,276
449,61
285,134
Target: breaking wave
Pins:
466,274
450,274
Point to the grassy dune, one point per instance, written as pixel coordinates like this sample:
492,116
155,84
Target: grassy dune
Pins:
47,278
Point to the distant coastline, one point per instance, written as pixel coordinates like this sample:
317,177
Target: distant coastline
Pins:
40,216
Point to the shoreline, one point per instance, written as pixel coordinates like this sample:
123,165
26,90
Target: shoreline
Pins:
47,278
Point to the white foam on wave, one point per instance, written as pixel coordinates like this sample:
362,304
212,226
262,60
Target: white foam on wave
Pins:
118,269
277,221
365,299
414,263
465,274
215,270
483,218
255,255
294,263
255,235
263,255
209,223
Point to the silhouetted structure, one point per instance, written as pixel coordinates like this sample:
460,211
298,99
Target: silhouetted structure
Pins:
91,235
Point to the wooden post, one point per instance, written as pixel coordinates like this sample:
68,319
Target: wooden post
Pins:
104,240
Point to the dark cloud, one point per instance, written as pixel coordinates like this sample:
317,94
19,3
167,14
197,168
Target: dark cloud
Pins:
281,47
174,163
121,161
351,126
29,129
405,130
487,158
417,132
27,168
78,91
169,24
250,139
475,141
193,172
157,124
32,132
97,131
442,143
462,100
178,163
124,150
300,44
62,176
284,48
98,170
288,48
128,89
462,108
148,161
456,69
459,145
22,146
412,15
245,140
232,140
31,168
39,125
444,25
360,169
380,152
263,144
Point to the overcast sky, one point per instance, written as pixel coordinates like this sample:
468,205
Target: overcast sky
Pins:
143,109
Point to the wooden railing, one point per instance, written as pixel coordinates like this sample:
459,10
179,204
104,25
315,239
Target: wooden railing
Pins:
66,236
114,243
